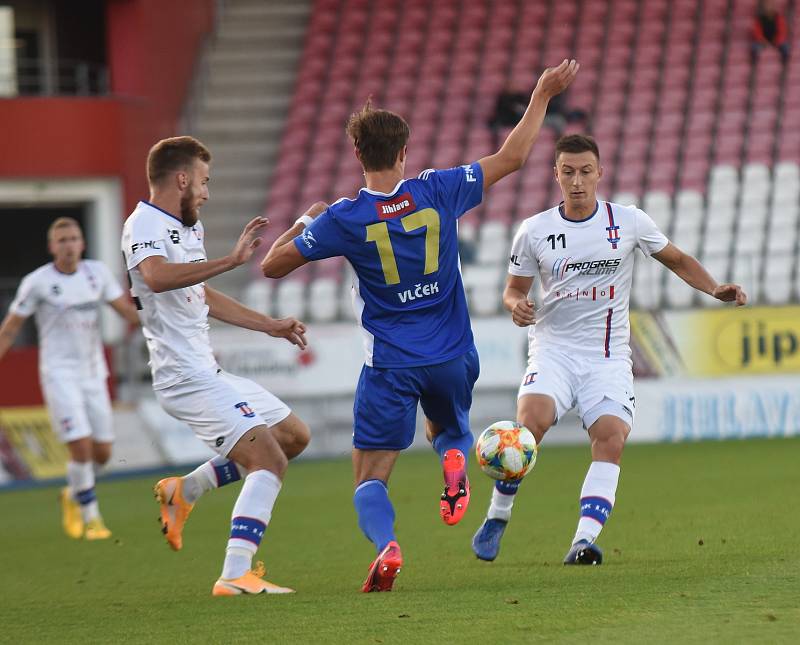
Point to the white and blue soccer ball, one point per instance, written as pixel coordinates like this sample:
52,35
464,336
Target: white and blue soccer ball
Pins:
506,451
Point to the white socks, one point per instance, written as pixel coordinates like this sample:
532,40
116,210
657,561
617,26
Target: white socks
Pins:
500,506
214,473
80,478
251,514
597,499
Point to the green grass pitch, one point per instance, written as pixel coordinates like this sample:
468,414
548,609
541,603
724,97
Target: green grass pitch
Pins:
701,548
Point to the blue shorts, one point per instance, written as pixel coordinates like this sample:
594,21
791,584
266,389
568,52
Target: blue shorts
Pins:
385,407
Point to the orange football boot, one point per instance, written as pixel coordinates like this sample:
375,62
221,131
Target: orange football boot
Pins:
455,498
175,510
250,583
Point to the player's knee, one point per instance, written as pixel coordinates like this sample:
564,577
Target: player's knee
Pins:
537,423
302,436
293,436
101,453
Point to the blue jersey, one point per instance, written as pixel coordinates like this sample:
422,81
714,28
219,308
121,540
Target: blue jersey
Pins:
403,246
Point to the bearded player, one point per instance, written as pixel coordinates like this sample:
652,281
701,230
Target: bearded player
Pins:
252,431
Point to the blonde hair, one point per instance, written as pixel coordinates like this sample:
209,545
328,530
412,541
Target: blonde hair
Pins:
62,222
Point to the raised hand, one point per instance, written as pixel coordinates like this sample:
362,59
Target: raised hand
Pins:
730,293
249,240
289,328
555,80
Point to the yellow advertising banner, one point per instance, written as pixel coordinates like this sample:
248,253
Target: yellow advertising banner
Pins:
716,342
29,433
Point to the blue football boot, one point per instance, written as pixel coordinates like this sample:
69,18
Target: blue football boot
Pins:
486,542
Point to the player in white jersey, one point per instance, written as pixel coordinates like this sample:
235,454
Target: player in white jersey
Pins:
579,353
65,296
253,432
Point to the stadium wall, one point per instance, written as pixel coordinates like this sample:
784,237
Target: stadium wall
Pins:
150,65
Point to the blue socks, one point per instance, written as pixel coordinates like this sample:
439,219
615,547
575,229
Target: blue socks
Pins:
443,442
375,512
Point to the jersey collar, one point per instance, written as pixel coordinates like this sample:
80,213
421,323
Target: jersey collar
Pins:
379,194
167,213
578,221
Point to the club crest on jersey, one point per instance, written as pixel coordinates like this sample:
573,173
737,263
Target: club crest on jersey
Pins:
245,409
175,235
400,205
613,229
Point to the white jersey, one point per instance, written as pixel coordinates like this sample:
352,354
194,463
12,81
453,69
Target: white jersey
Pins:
66,306
174,323
586,268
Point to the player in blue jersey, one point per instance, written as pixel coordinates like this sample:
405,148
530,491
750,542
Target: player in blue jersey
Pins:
400,236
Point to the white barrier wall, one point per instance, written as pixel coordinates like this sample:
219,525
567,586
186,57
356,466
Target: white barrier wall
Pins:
729,408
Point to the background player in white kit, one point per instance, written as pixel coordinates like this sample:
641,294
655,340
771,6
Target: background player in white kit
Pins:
579,352
253,432
65,295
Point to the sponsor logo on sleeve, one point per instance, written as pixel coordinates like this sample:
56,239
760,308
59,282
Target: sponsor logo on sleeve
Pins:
150,244
308,238
400,205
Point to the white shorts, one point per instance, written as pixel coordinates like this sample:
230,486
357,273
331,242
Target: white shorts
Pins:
78,408
221,407
588,384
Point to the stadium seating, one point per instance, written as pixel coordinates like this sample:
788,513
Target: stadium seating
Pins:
706,142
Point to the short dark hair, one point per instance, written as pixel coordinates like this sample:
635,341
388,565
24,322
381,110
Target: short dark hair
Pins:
378,135
577,143
170,155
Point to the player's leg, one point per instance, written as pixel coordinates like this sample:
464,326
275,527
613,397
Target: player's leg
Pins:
384,413
609,425
605,403
68,418
446,399
97,405
371,471
259,453
292,433
546,393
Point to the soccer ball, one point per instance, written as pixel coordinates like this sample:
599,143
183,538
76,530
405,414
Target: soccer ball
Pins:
506,451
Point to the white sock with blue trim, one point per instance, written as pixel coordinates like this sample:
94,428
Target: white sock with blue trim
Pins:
80,477
597,499
214,473
251,514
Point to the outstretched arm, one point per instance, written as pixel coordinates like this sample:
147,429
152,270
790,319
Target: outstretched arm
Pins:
688,269
514,152
161,275
283,257
228,310
9,331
